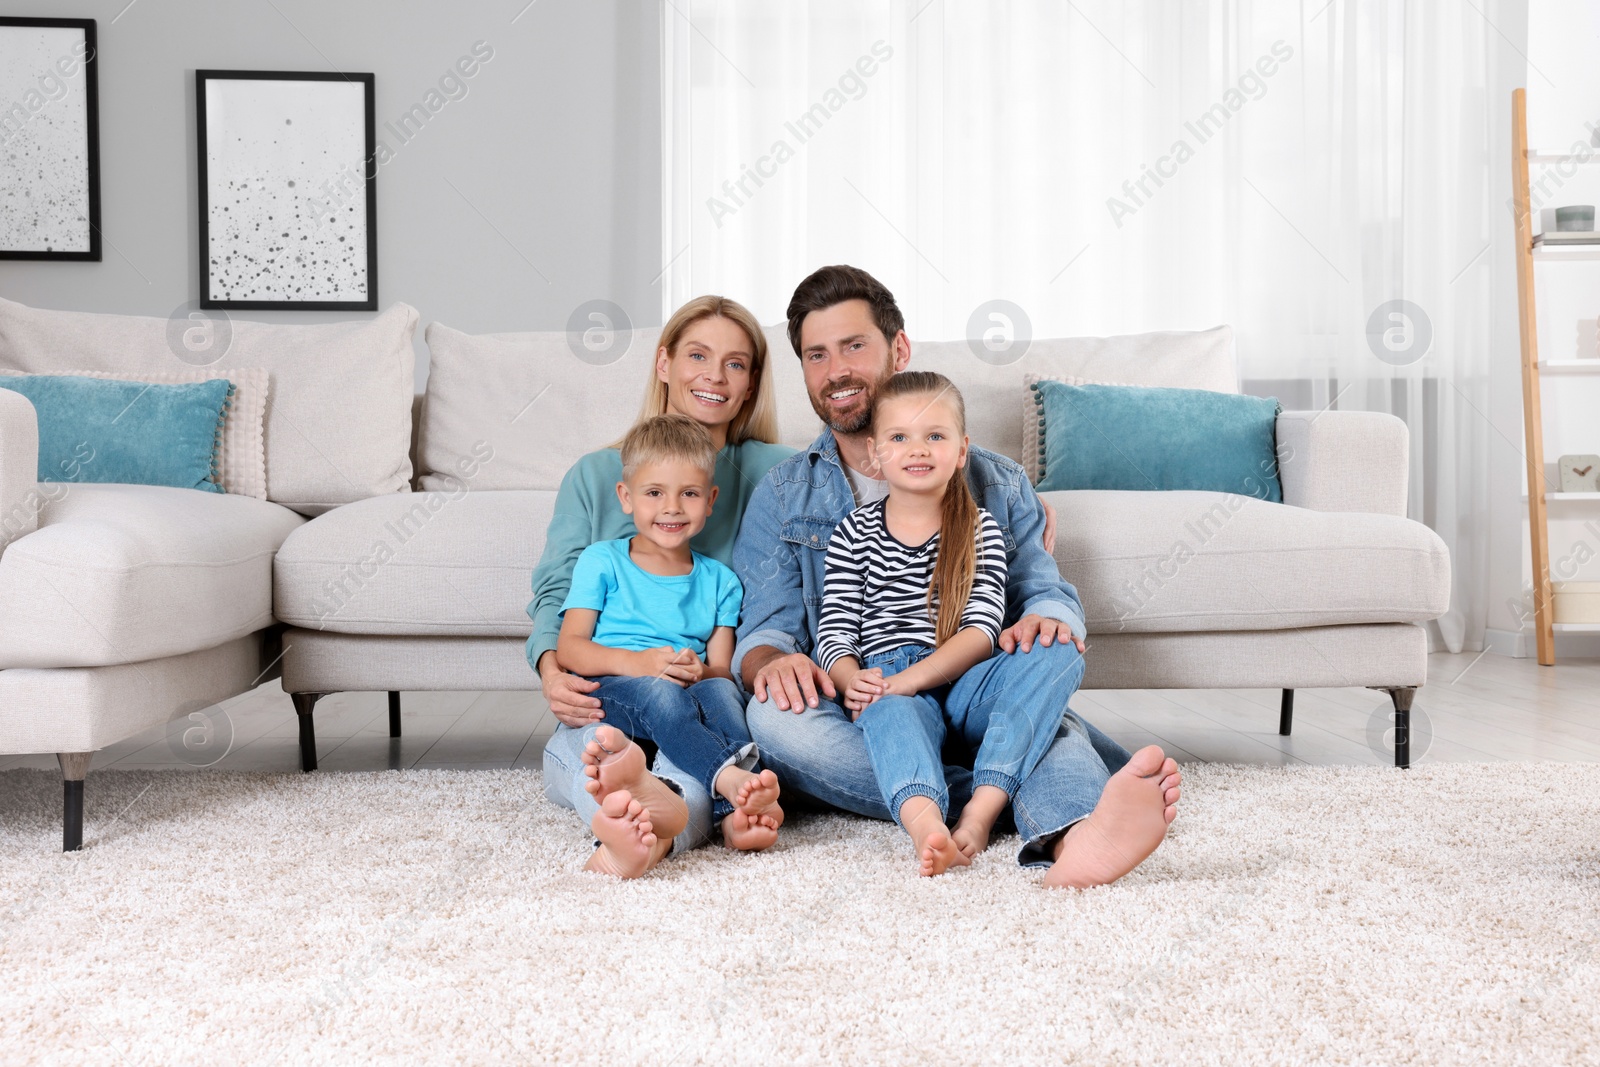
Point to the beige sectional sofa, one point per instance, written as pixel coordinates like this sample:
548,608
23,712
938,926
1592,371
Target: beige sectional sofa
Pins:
379,588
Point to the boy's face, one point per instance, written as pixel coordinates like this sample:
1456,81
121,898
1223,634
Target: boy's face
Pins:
669,500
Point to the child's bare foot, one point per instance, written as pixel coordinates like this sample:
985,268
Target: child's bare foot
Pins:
628,843
758,795
936,852
971,838
749,833
612,762
1130,821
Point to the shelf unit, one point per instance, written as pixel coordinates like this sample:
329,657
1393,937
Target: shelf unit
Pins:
1539,493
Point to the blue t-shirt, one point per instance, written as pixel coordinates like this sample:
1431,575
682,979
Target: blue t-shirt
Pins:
639,610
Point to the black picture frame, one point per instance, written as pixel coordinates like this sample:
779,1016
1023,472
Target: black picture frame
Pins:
214,254
91,114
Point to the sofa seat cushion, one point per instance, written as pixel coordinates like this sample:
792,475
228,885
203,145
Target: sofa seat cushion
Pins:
123,573
458,564
1197,561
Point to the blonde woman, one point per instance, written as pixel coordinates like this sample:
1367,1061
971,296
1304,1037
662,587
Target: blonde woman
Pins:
711,365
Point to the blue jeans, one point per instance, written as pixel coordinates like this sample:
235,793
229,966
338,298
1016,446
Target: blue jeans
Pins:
700,728
905,736
564,778
822,753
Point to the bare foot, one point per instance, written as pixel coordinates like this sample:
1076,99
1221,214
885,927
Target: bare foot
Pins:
612,762
1131,819
970,839
628,843
749,833
936,852
758,795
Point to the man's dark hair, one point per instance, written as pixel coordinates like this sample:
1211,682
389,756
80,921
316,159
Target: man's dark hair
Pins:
834,285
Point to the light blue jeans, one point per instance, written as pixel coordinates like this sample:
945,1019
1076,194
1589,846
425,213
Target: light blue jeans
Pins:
564,778
905,736
821,753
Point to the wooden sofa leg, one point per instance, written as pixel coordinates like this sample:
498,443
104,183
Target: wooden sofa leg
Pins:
74,767
1402,724
303,703
1286,713
394,713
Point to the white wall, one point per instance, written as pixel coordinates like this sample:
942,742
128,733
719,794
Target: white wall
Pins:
1563,83
554,152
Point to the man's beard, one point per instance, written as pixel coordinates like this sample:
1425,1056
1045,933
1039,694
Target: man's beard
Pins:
846,422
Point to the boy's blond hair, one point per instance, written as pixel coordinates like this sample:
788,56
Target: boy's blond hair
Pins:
664,437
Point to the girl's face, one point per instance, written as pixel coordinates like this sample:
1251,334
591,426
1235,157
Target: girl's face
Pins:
709,379
918,441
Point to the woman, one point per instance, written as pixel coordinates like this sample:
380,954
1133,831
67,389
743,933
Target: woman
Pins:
711,365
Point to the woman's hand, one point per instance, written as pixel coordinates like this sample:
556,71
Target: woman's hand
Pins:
674,664
568,694
864,688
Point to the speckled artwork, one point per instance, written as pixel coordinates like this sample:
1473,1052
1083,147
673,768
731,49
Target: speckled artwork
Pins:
286,201
44,140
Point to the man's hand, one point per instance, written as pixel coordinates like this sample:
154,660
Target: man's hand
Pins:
568,694
1049,529
678,665
1025,630
863,689
793,682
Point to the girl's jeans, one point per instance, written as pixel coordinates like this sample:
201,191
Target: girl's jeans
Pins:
905,735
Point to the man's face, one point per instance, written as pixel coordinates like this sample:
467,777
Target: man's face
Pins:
846,358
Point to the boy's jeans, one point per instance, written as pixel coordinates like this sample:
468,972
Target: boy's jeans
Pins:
905,736
819,751
700,729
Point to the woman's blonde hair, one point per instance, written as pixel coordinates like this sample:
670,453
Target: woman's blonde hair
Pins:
758,417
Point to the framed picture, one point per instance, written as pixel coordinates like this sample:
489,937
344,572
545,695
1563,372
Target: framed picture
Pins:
49,139
288,204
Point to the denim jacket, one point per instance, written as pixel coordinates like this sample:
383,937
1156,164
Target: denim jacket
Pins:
783,544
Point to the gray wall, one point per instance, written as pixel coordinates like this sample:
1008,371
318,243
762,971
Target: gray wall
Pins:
554,152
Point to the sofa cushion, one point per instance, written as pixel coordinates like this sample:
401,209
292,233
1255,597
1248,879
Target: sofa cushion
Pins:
1192,561
456,563
539,405
338,417
124,573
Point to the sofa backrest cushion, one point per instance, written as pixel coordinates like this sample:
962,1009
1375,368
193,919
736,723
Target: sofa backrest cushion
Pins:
533,405
516,410
338,418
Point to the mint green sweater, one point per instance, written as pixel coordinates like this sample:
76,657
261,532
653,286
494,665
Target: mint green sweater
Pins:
587,511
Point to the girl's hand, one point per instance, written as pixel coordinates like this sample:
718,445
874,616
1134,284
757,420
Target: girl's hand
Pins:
863,689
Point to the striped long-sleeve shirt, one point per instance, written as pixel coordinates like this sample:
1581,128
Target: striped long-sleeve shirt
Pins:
875,593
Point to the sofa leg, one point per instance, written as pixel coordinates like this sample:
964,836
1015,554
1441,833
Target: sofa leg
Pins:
74,767
1286,713
303,703
394,713
1402,724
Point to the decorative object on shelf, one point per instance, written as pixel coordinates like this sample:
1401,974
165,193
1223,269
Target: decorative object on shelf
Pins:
1576,602
1578,218
1566,237
49,139
1580,474
288,210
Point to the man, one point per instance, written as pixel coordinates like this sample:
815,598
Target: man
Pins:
1089,812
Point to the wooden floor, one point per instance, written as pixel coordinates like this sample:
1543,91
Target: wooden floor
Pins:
1474,708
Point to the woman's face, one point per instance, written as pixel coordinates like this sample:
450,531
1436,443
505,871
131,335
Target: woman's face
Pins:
710,378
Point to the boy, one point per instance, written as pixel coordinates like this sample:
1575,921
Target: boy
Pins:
653,622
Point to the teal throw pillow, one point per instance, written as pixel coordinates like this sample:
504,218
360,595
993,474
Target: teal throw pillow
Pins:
139,433
1130,437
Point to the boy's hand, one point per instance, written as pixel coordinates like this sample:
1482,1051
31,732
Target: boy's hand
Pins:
678,665
868,685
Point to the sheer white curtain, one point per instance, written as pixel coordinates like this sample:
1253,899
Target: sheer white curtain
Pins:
1118,167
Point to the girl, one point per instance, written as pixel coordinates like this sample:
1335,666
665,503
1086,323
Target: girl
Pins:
914,596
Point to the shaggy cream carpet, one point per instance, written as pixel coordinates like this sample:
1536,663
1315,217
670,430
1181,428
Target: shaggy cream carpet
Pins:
1446,915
